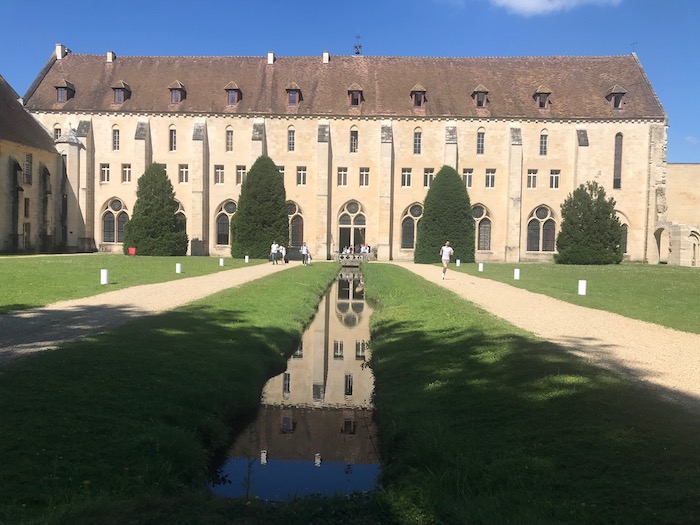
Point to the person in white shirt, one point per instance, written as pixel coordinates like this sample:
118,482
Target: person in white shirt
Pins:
446,253
273,252
283,253
304,250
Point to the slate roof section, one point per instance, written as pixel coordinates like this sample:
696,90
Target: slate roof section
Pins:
578,84
17,125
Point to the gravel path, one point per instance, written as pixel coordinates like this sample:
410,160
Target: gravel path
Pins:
665,359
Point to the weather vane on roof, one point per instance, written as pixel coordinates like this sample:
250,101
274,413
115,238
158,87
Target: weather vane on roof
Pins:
634,44
358,46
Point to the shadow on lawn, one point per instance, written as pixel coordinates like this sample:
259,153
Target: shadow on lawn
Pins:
488,427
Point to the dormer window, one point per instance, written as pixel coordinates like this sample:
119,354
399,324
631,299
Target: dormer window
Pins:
542,97
615,97
418,96
121,92
293,94
177,92
479,96
355,95
233,94
64,91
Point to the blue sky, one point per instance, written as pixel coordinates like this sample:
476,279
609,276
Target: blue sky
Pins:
664,34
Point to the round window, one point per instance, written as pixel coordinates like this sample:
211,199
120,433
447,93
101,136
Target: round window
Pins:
115,205
353,207
230,207
478,212
416,210
541,212
291,208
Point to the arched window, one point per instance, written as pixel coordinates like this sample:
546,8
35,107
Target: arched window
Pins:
541,231
296,224
544,136
623,239
351,227
409,226
617,168
482,222
114,219
223,222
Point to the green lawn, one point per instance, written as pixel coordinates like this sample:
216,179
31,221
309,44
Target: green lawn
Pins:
28,282
661,294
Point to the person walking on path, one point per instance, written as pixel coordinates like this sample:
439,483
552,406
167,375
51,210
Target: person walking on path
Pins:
283,254
445,254
304,254
273,252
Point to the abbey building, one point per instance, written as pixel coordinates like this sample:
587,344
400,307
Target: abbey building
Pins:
358,141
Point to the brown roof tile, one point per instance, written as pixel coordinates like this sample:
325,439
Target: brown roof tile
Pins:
580,85
17,125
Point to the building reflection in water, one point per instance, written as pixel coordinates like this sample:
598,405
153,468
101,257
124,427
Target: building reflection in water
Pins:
314,432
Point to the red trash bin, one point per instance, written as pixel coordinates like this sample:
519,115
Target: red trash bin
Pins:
132,251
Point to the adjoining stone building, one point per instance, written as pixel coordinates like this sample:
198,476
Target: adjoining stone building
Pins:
30,171
358,140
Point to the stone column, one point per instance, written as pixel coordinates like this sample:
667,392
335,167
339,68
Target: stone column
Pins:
386,194
514,217
86,181
321,244
451,146
199,178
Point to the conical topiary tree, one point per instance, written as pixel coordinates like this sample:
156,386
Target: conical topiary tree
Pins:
590,231
154,228
261,217
447,216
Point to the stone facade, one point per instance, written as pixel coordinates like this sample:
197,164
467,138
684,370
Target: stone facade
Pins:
358,140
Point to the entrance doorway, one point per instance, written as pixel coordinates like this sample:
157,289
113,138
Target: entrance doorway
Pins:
351,227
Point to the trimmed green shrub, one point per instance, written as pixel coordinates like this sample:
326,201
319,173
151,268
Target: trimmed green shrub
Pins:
154,228
262,212
447,216
590,231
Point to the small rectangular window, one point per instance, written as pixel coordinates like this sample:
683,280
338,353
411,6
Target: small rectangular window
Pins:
27,168
175,96
229,140
364,176
293,98
481,100
56,133
218,174
418,99
240,175
617,100
532,179
115,140
26,208
480,141
337,349
231,97
360,350
172,140
286,383
126,172
542,100
118,95
104,173
354,141
490,178
348,384
554,179
543,144
428,174
301,175
342,176
417,139
61,94
406,178
183,171
355,98
467,176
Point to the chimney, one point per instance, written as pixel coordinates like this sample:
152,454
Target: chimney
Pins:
61,51
270,58
111,56
326,57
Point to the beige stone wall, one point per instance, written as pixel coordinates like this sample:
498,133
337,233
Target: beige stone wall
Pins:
678,231
385,148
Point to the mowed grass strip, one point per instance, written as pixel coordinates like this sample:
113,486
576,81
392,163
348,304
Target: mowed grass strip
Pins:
29,282
140,413
661,294
481,423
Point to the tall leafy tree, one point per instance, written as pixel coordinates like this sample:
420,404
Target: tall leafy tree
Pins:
154,228
262,212
590,232
447,216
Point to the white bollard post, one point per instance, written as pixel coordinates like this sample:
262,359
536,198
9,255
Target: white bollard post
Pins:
104,276
178,268
582,287
459,262
221,261
516,274
481,267
247,259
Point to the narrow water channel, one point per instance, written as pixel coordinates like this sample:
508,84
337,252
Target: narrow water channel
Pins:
314,433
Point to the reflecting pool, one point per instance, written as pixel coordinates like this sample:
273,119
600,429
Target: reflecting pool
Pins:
314,432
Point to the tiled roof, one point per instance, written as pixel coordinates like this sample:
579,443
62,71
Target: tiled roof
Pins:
578,85
17,125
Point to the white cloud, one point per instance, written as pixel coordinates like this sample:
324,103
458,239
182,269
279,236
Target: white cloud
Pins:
692,140
543,7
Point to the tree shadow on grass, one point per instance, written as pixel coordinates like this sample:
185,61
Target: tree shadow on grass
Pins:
492,426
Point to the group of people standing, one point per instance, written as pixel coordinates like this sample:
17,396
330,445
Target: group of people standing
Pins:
279,253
